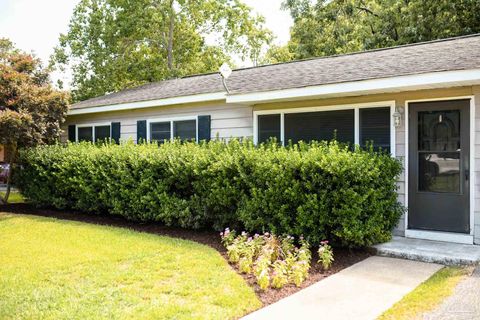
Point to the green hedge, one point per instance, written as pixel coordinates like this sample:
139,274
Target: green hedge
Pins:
319,190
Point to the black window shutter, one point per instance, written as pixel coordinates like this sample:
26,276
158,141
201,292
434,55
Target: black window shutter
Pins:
116,132
204,130
141,131
72,133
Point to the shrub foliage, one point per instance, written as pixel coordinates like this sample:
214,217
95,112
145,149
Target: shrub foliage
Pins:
319,190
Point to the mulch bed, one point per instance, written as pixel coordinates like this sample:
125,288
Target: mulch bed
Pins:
343,257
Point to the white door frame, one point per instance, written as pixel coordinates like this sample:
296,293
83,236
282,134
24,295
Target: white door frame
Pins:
438,235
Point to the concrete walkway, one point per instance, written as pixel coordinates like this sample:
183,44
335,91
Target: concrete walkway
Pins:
430,251
362,291
464,304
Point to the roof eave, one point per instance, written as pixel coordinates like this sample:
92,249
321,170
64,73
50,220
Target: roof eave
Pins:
432,80
204,97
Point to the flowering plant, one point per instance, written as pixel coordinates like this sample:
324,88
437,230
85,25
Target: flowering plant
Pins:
274,261
227,237
325,255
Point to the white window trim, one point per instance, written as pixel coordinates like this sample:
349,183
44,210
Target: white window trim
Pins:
172,120
436,235
93,125
356,107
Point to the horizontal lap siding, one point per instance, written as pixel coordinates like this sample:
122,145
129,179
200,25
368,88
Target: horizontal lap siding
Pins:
227,120
476,178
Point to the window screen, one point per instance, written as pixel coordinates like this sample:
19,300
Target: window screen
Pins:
324,125
102,133
85,134
185,130
268,127
375,127
160,131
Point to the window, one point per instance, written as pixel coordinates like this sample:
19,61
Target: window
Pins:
268,127
160,131
92,133
167,130
185,130
102,133
323,125
85,134
375,127
356,124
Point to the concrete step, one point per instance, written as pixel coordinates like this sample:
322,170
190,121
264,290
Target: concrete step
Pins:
430,251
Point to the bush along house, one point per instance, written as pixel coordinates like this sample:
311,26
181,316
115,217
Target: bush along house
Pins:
420,102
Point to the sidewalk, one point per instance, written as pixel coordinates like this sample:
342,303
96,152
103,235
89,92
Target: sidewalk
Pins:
362,291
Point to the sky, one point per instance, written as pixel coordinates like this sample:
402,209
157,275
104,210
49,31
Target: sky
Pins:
34,25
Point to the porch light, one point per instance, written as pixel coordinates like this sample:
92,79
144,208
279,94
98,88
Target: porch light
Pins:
397,117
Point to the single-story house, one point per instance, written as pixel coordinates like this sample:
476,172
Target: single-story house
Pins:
420,101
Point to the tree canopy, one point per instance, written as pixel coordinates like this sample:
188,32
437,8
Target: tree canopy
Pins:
328,27
115,44
31,110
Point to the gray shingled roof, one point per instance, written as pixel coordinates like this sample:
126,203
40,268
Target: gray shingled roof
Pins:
444,55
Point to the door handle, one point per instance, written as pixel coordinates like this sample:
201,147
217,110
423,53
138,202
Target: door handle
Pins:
467,174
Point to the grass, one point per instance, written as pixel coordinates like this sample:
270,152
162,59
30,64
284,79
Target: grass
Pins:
15,197
53,269
428,295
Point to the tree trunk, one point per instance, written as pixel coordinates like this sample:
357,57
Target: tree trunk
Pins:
170,38
12,157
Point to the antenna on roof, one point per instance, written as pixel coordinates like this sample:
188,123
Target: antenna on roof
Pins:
225,71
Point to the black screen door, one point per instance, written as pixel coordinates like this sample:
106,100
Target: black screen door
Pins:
439,153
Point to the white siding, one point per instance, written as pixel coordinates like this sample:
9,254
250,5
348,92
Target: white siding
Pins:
476,154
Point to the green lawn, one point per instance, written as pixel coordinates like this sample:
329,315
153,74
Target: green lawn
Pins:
15,197
428,295
53,269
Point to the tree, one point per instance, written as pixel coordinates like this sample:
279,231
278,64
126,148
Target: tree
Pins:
324,27
278,54
115,44
31,110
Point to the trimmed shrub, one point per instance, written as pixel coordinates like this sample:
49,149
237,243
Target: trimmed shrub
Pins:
319,190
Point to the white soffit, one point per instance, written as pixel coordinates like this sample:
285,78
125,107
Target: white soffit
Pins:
431,80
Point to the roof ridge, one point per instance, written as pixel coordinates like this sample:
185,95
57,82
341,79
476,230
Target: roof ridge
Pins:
339,55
